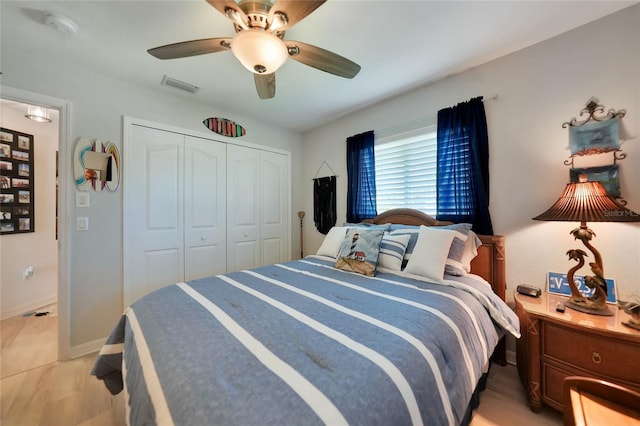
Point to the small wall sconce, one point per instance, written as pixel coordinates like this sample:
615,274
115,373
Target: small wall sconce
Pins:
38,113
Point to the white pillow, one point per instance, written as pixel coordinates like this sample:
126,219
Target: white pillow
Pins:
430,254
470,250
392,250
332,242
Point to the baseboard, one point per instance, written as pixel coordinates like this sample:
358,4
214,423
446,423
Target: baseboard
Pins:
28,307
87,348
511,357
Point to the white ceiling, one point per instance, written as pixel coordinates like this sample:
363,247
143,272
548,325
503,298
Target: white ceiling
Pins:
399,44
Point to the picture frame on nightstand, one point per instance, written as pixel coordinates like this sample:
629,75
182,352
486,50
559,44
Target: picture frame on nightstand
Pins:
557,283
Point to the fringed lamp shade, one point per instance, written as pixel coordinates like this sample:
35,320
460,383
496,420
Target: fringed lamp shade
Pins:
587,202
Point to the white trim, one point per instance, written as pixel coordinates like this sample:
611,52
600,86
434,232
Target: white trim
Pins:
87,348
27,307
64,147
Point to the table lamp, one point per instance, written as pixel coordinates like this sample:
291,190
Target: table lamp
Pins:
581,202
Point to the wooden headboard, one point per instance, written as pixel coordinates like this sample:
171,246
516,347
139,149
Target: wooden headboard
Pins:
490,262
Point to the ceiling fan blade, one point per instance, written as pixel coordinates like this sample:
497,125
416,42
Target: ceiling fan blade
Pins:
265,85
295,11
322,59
191,48
237,16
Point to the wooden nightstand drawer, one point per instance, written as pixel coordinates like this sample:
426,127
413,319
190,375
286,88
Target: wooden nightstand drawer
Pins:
552,379
592,352
555,345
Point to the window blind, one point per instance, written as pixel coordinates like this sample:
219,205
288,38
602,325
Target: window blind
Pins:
406,169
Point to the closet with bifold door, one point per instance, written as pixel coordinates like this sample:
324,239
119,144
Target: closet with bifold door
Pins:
196,207
257,196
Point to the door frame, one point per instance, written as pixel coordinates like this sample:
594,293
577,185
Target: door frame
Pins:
64,108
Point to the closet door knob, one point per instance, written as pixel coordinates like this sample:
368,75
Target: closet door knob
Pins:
203,237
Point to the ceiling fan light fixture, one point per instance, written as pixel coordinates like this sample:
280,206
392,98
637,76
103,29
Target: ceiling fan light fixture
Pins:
261,52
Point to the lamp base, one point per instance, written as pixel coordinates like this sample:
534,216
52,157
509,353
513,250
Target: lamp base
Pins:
582,307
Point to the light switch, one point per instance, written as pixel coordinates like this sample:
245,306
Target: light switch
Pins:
82,199
82,224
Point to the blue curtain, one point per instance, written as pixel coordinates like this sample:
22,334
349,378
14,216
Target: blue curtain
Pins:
361,185
463,166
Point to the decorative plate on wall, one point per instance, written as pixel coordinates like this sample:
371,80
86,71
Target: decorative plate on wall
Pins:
84,182
224,127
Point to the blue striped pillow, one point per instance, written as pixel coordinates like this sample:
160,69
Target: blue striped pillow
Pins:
411,231
392,250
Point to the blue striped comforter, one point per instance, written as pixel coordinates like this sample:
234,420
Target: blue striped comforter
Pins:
302,343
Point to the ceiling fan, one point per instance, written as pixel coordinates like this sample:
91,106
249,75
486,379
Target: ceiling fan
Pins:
259,42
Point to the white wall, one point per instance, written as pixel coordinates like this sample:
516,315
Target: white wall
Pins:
38,249
98,104
539,88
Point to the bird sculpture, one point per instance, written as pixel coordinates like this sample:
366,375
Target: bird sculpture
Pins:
597,302
578,255
598,299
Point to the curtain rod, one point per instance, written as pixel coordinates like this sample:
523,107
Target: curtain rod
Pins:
428,117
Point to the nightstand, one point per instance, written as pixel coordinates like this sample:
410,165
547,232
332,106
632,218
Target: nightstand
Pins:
555,345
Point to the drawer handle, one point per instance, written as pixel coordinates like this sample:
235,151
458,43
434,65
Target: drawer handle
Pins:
596,358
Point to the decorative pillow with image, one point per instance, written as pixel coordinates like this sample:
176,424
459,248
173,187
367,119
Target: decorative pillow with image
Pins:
392,250
359,251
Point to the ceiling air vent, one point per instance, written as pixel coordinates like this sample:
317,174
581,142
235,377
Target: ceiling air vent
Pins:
187,87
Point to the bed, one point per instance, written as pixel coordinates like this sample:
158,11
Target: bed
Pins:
304,342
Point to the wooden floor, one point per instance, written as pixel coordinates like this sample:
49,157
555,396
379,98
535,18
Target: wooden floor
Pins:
28,341
63,393
504,402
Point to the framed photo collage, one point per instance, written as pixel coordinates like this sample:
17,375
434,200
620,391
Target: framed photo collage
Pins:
16,182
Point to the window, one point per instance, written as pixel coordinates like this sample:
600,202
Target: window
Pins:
406,167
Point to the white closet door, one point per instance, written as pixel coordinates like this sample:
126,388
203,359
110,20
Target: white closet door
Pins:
153,252
243,208
275,208
205,236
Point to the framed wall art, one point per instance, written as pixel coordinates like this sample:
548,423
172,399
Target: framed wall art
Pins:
608,176
16,182
596,137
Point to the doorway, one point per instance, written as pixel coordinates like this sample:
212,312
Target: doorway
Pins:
53,185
